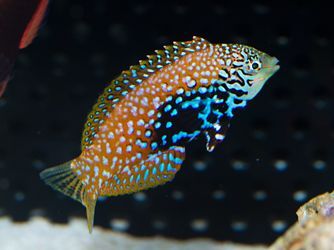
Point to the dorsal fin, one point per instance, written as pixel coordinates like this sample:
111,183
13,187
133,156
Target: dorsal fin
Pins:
129,79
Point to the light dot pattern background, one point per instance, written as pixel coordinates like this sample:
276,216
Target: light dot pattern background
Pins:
278,153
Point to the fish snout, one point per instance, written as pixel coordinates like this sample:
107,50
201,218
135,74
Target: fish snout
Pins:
274,64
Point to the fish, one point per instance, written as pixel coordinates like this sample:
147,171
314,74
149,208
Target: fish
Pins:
136,133
20,21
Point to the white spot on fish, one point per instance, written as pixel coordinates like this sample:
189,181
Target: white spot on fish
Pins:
105,161
150,113
216,126
219,137
191,84
204,81
156,102
96,171
140,122
144,101
108,149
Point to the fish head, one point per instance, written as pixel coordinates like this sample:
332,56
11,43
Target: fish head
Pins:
248,70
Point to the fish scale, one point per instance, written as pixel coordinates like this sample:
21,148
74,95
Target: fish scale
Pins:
208,117
120,116
135,136
129,79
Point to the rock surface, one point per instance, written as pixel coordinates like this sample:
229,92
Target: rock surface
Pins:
314,229
40,234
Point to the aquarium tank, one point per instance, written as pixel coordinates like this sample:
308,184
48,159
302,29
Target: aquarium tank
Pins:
276,153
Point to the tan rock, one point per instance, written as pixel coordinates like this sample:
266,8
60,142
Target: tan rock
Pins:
314,229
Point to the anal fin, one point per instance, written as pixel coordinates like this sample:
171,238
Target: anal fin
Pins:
90,204
156,170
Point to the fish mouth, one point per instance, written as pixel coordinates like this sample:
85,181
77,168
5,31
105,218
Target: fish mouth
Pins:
270,64
274,63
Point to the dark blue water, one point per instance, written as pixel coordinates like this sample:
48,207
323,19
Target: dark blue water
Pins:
279,151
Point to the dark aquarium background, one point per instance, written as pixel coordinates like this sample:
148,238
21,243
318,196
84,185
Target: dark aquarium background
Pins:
279,151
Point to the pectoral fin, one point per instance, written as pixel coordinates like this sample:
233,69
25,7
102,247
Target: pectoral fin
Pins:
215,135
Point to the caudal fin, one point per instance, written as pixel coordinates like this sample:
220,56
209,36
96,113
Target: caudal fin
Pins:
63,179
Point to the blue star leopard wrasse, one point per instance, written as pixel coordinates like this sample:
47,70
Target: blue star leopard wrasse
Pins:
135,136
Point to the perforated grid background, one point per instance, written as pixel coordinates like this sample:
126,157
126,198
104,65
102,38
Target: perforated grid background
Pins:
278,153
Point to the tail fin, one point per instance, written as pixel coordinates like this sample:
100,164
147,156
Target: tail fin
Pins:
63,179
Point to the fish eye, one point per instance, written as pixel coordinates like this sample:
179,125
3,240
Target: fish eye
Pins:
255,65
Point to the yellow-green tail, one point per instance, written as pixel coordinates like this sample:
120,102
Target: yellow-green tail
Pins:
63,179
